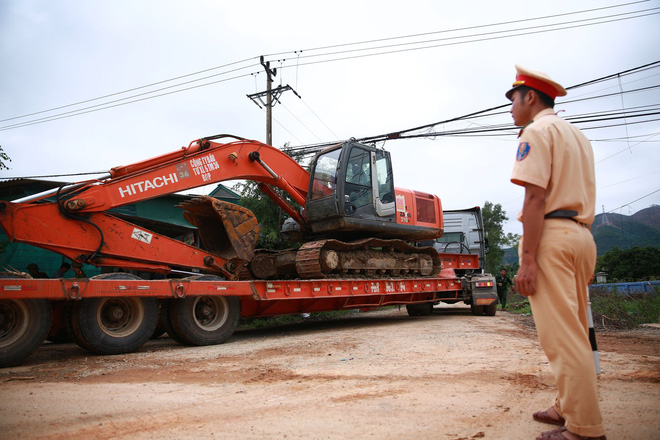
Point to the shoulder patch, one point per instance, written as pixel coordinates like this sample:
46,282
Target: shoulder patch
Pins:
523,151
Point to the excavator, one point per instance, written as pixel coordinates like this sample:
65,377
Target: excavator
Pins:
351,219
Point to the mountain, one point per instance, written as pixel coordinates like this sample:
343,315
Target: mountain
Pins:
611,230
616,230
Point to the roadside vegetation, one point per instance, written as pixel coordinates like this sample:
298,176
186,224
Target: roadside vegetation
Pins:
613,309
610,310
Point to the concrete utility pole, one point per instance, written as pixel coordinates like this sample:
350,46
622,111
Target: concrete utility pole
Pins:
269,100
272,97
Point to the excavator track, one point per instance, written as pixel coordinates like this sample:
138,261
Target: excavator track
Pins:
231,231
367,258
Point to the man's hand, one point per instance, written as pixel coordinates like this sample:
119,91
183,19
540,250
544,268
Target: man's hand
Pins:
526,278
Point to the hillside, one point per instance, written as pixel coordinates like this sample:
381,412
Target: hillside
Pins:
617,230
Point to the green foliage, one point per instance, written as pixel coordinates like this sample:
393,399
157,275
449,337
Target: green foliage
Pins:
270,216
3,159
613,309
517,303
625,232
494,217
609,309
636,264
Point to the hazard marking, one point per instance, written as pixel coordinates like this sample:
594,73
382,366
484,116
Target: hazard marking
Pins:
142,236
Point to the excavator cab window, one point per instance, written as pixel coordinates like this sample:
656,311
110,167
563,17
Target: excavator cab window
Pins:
358,188
325,174
384,191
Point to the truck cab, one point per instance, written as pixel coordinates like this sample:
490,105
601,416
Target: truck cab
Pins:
464,234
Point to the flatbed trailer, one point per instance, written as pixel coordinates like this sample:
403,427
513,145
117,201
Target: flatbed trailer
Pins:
118,312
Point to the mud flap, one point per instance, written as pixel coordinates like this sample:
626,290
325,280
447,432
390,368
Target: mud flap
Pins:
226,229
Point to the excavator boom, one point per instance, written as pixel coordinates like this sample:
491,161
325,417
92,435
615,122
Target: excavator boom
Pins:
228,231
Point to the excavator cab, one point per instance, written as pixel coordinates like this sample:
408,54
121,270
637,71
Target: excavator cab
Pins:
351,192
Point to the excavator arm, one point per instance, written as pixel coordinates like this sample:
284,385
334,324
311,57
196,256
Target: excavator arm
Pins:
203,162
79,226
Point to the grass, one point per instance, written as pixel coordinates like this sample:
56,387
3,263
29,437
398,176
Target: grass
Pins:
609,309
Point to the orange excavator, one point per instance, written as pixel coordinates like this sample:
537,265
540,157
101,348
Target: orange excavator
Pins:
351,219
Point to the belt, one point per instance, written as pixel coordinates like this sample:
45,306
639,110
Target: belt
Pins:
567,214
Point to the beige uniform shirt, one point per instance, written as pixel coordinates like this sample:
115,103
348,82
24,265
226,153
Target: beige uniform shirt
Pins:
556,156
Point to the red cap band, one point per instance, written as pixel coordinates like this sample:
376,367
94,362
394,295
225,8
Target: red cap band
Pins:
537,84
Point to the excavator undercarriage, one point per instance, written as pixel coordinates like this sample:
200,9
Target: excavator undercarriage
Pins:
231,231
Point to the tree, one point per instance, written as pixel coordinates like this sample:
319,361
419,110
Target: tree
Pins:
494,217
3,158
268,213
636,264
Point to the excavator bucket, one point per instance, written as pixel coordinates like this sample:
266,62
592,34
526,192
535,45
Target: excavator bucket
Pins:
226,229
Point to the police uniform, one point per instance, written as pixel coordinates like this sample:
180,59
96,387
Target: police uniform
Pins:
556,156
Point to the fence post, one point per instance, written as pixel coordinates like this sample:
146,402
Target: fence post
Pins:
592,336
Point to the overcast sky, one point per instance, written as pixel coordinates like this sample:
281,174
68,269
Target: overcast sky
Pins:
457,58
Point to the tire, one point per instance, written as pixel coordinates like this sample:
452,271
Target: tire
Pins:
423,309
166,322
426,308
490,310
114,325
477,310
24,324
60,330
412,310
204,320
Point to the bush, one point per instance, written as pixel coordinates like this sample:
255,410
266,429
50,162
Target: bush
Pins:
609,309
621,310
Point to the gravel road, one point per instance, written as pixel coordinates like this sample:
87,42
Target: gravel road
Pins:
378,374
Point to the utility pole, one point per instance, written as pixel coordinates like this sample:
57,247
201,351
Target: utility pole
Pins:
269,100
272,97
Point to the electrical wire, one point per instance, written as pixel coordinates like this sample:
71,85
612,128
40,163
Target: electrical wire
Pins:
134,89
636,200
301,122
478,40
105,106
456,30
99,107
574,23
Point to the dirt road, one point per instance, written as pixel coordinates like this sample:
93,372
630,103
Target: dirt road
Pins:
380,375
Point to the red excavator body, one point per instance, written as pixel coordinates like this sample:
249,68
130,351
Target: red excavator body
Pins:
350,196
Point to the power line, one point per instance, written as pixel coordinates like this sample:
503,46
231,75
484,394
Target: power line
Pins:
628,180
609,116
636,200
105,106
137,88
457,29
100,107
454,43
301,122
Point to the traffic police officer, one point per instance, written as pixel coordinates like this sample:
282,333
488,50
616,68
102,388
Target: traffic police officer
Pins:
555,164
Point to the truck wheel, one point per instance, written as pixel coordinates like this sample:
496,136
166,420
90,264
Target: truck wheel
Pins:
490,309
477,310
24,324
60,329
205,320
114,325
412,309
166,322
423,309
